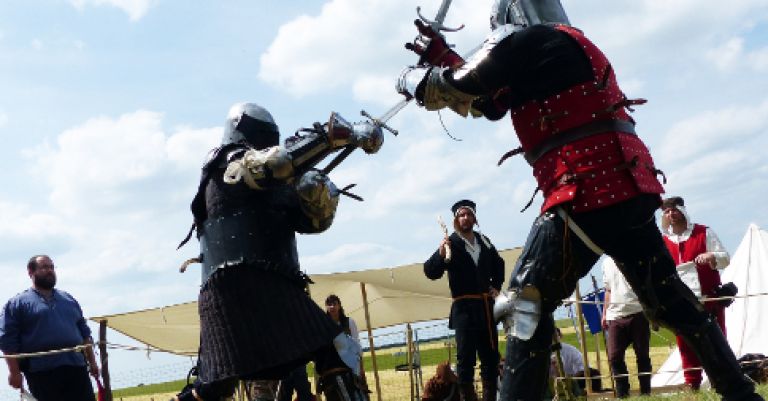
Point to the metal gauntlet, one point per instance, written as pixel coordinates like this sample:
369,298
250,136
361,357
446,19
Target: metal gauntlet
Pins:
319,198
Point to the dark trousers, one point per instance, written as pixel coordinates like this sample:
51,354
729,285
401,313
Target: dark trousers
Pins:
64,383
297,381
691,364
634,330
553,260
473,343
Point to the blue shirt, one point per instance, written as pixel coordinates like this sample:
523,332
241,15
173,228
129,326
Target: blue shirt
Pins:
30,323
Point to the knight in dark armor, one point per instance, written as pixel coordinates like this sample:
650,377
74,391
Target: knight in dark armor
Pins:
256,320
598,179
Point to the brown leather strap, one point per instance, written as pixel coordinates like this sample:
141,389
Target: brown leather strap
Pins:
486,303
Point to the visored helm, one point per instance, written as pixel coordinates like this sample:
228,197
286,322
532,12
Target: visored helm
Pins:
252,124
524,13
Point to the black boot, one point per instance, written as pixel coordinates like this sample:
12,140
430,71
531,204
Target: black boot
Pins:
490,387
467,392
644,365
343,385
619,370
718,360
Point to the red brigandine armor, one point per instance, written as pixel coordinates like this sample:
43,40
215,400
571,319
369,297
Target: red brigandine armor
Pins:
592,171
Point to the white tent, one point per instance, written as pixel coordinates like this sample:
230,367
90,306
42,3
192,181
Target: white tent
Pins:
745,320
394,295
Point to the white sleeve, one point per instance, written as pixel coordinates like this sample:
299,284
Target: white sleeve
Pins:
353,331
716,247
608,266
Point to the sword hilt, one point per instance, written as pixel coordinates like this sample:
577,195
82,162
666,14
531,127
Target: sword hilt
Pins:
377,122
436,25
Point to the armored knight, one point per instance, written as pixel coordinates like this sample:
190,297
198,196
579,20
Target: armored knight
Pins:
598,179
256,320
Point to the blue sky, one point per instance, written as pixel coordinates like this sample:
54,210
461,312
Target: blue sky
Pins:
108,107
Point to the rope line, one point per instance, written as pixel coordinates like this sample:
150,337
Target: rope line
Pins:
46,353
703,299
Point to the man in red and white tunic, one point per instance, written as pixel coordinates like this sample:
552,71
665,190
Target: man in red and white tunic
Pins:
699,255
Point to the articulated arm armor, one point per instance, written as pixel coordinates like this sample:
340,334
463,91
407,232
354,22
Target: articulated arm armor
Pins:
302,152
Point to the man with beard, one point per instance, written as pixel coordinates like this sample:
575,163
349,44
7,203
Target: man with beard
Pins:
475,275
40,319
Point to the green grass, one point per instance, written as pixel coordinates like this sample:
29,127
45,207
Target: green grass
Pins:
148,389
432,353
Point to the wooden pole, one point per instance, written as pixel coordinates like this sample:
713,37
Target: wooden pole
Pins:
104,360
370,341
583,342
600,308
409,356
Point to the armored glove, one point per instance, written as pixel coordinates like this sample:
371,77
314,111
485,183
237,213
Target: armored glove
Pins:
254,167
319,198
432,48
367,136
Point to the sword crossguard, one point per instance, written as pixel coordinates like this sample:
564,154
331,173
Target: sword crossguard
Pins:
436,26
377,122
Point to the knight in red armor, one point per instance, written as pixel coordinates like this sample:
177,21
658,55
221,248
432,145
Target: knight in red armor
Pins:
698,254
598,179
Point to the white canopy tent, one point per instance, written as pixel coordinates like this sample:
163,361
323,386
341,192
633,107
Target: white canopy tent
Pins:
745,320
395,295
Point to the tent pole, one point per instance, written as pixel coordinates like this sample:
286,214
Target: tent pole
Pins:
370,341
600,308
409,356
583,342
104,361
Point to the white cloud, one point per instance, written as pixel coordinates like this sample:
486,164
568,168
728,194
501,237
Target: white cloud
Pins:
3,119
136,9
713,129
378,89
183,147
37,44
758,59
347,42
728,54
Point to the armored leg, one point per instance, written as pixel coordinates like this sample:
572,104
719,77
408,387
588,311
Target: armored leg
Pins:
547,271
669,302
490,387
213,391
343,385
627,232
467,391
527,363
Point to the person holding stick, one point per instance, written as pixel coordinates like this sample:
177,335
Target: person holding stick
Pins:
475,275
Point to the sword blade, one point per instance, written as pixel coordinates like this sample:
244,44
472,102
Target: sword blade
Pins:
394,110
442,12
